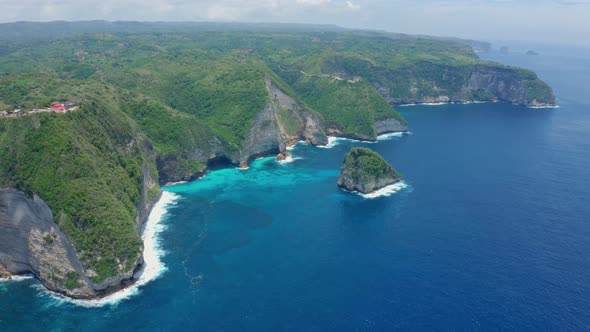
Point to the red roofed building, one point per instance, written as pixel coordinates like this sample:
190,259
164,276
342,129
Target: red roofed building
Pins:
55,106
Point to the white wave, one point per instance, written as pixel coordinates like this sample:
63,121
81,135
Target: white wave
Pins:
169,184
449,103
476,102
243,168
17,278
292,147
389,136
333,141
153,266
543,107
385,191
435,104
289,159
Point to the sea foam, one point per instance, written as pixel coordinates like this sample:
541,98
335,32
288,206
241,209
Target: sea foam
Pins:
153,266
289,159
333,141
292,147
390,136
17,278
385,191
543,107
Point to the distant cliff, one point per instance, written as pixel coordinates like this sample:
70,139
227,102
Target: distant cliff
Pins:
429,82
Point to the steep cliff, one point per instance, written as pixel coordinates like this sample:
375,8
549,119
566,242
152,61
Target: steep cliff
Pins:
390,125
281,123
91,181
365,171
31,242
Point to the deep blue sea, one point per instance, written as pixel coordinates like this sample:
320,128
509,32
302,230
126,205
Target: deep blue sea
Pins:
492,232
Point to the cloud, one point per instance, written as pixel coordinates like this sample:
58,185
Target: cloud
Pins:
313,2
352,5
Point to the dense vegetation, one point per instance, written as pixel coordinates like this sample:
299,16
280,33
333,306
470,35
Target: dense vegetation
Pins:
190,89
88,166
368,164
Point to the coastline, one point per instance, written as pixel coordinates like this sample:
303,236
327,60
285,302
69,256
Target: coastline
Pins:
474,102
152,268
334,140
449,103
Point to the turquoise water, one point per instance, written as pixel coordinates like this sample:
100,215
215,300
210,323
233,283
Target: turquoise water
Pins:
491,232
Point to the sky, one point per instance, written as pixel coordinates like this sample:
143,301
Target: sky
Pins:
555,21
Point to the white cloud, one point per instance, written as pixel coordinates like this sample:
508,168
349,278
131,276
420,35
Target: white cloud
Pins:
313,2
352,5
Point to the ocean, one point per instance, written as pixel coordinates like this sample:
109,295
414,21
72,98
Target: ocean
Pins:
491,231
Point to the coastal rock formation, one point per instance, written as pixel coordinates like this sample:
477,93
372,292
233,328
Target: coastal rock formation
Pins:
283,156
80,238
392,125
31,242
365,171
281,123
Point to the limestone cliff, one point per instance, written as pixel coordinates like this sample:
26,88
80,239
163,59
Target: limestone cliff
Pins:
31,242
283,122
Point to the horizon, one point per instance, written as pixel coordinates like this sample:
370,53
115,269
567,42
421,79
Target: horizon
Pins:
548,21
495,43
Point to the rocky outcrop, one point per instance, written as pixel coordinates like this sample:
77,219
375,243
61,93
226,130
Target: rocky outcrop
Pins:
284,156
365,171
387,126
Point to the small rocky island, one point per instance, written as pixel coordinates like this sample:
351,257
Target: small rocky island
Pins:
365,171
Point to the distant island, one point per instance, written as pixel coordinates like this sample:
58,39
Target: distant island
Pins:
96,116
531,52
365,171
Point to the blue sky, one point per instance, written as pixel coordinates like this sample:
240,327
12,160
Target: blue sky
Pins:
558,21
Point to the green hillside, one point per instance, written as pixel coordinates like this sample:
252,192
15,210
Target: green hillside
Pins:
160,101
